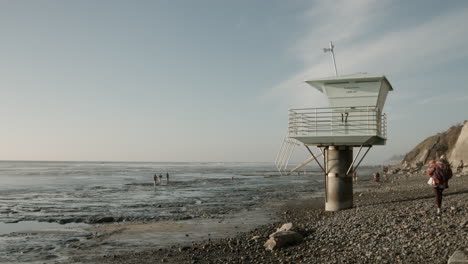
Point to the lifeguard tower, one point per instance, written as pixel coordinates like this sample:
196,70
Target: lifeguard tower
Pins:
354,119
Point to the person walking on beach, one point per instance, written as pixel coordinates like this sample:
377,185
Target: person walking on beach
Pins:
460,166
439,174
167,177
355,177
385,173
376,177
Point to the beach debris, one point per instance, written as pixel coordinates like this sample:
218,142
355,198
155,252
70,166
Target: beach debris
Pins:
283,237
255,238
285,227
458,257
184,248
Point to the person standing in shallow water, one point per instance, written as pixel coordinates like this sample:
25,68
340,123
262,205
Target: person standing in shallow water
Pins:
155,180
167,177
160,179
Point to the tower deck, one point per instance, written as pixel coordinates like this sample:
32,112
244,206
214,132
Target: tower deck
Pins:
339,126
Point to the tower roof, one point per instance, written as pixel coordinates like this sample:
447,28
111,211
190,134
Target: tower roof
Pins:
359,77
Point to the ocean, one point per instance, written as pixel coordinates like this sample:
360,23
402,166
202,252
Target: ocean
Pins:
73,195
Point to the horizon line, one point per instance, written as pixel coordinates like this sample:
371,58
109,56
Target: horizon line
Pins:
142,161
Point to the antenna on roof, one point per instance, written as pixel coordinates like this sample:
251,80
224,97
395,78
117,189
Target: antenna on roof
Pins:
333,56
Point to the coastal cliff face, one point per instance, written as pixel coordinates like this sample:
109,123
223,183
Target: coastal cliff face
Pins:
452,143
460,151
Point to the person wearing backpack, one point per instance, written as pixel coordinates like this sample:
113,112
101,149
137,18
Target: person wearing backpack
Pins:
439,174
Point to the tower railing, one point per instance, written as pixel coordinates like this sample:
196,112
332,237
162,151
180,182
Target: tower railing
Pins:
285,152
337,121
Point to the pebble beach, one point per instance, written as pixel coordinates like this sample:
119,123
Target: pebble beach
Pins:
391,222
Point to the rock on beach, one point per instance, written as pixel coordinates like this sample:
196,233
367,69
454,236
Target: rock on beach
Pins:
284,236
283,239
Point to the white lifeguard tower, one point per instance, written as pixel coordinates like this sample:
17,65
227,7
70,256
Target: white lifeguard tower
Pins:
354,119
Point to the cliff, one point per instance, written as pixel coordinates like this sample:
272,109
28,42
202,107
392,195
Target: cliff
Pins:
460,151
452,143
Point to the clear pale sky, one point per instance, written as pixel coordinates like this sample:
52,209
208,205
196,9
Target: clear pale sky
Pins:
213,80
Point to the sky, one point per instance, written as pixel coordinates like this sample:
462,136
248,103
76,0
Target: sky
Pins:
212,80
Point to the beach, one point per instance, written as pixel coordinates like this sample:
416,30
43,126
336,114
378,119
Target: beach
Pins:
391,222
77,212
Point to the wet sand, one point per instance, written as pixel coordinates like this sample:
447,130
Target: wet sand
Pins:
118,238
390,223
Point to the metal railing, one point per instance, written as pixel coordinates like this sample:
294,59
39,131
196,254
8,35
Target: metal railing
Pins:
285,152
337,121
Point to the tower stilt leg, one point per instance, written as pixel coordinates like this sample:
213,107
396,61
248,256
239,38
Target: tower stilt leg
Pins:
339,187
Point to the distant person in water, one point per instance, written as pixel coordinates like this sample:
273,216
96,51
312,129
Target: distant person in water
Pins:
155,180
376,177
167,177
355,177
160,179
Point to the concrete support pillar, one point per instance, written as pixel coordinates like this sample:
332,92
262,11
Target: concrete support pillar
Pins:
339,186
